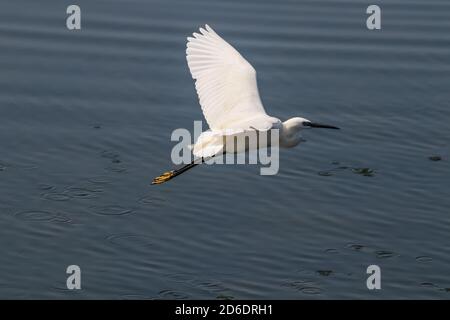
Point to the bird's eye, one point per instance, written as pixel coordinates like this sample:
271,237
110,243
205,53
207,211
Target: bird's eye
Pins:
307,124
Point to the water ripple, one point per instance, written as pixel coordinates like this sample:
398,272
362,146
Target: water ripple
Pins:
172,295
304,286
129,240
54,196
111,210
424,259
82,193
42,216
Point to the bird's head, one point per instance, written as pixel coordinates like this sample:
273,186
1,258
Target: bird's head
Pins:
299,123
290,132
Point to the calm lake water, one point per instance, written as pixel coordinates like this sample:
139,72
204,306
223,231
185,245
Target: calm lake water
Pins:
85,125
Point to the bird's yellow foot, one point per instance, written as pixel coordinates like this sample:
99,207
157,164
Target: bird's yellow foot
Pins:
164,177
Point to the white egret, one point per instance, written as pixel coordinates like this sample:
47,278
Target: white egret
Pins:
228,94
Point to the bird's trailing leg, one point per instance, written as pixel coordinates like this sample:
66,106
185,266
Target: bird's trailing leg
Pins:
166,176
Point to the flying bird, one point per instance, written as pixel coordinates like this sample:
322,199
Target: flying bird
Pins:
228,94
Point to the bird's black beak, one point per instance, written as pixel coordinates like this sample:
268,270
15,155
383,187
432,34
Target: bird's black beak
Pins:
320,125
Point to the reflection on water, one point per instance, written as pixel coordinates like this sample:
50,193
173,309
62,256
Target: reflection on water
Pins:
85,125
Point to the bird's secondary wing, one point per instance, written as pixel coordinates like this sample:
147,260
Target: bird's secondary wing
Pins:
225,82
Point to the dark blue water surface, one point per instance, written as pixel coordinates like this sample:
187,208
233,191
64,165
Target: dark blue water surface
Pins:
85,124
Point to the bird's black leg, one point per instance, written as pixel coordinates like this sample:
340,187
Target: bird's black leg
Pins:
166,176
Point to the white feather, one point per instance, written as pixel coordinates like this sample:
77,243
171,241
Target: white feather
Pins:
225,82
227,88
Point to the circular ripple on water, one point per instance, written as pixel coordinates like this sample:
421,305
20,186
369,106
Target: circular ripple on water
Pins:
172,294
45,187
152,200
82,193
99,180
42,216
304,286
111,210
424,259
355,246
383,254
54,196
129,240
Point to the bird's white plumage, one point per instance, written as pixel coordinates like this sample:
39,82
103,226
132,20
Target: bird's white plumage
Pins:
228,93
225,83
227,89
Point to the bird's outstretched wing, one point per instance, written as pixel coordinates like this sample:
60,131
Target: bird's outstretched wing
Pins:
225,83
